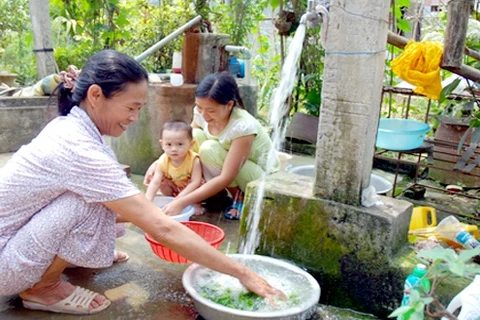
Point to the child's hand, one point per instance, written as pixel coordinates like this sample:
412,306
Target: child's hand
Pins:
150,173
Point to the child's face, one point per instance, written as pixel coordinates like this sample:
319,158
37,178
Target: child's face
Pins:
176,144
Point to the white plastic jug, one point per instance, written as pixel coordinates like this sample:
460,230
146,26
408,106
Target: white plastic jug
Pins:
469,300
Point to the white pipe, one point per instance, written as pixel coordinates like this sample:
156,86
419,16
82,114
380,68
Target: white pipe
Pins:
246,55
168,38
303,19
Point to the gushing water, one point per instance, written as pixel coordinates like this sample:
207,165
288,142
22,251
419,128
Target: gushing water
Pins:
278,110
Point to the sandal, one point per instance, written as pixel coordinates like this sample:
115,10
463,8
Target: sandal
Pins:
236,206
77,302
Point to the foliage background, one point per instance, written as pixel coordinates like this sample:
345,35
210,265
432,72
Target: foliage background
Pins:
82,27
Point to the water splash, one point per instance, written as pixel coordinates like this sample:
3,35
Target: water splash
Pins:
278,111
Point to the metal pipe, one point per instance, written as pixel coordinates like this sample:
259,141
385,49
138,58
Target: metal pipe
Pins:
310,5
247,55
168,38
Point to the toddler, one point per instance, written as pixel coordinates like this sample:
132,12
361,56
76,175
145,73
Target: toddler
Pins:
179,170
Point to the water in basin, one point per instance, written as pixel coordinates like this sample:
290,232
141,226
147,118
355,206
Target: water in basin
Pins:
216,295
217,286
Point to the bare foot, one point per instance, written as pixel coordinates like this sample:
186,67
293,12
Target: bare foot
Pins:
199,210
233,213
57,292
120,256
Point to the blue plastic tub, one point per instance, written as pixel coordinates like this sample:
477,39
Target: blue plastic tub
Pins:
401,134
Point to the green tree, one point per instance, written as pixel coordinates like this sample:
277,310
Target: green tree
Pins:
238,18
16,40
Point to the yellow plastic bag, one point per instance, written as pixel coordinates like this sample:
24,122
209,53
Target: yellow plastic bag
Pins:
419,65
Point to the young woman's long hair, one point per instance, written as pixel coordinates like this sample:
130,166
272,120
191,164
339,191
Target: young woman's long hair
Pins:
221,87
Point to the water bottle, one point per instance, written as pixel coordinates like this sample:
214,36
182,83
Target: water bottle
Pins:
452,229
468,300
236,67
414,281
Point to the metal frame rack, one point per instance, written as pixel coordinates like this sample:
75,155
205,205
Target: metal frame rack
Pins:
424,156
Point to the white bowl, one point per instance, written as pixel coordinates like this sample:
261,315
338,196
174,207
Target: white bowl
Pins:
286,273
381,185
187,212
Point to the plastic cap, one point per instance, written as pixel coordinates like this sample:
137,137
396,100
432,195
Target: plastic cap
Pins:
421,266
420,270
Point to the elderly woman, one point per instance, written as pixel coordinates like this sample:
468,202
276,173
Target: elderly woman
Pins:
62,194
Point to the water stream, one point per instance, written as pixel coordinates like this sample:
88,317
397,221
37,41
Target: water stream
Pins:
278,110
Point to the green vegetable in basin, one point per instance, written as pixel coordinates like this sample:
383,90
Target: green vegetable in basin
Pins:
246,301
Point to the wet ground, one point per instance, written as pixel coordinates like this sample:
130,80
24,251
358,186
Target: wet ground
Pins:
146,287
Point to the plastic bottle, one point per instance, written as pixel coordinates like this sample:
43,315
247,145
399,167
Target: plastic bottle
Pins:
414,281
469,300
452,229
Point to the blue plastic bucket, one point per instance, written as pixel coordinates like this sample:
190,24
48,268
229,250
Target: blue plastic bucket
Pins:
401,134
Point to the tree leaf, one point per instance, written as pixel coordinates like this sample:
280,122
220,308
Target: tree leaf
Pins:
74,26
419,307
438,253
448,89
274,3
466,255
457,268
399,311
475,135
471,271
427,300
417,315
462,140
414,297
404,25
469,105
403,3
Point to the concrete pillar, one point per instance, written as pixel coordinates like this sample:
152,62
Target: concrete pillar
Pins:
42,34
202,54
352,84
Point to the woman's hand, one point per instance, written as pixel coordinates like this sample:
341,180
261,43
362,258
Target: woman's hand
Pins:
150,172
253,282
